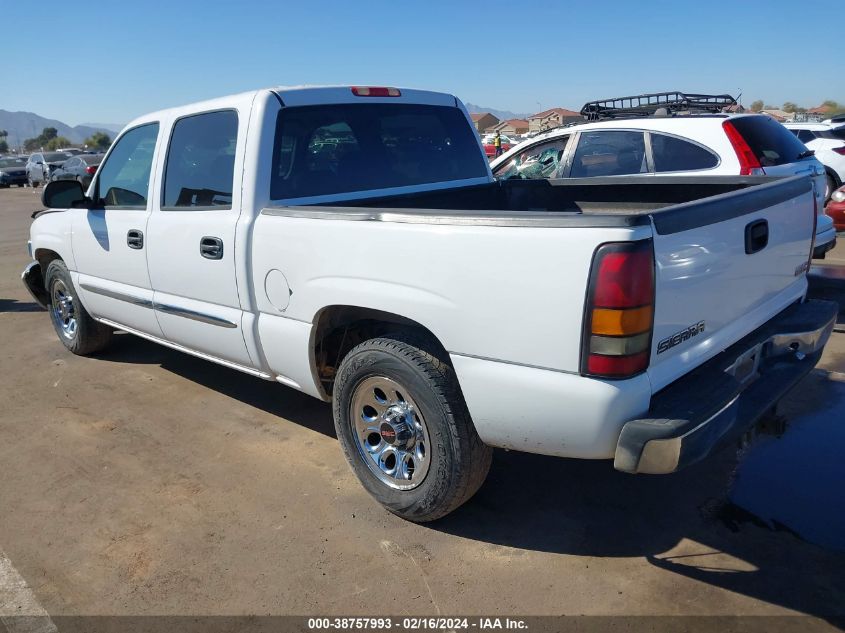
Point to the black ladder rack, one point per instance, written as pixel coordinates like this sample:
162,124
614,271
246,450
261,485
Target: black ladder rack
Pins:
649,104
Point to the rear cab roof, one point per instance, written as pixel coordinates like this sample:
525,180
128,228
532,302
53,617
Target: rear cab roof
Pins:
300,96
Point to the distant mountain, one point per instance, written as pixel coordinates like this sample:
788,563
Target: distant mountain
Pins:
24,125
502,115
111,127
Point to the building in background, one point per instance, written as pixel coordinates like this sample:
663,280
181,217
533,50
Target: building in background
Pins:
511,127
483,121
552,118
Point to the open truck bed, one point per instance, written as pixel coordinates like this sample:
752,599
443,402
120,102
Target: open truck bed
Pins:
596,202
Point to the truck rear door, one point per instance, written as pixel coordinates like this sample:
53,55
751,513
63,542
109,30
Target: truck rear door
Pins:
724,266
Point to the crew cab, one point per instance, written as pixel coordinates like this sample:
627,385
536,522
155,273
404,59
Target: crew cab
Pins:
441,312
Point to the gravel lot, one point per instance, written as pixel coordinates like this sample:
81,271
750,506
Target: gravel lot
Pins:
149,482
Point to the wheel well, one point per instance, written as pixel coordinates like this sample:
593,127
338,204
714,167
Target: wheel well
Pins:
44,256
339,328
836,180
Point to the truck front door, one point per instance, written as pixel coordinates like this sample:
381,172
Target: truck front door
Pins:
110,240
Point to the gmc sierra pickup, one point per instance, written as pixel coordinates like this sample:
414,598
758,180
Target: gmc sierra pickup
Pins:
351,243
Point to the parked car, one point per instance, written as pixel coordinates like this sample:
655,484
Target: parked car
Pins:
81,168
40,164
72,151
441,312
836,208
12,171
627,143
490,149
827,140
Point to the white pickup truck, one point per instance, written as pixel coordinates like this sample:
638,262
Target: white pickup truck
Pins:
351,243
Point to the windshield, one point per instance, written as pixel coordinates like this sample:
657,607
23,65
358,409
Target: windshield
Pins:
322,150
11,162
52,157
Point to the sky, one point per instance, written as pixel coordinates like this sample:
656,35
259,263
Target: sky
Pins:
108,62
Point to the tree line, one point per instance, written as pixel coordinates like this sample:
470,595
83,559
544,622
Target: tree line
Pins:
833,107
49,140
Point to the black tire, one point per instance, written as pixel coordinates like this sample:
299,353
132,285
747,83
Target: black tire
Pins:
88,335
459,460
832,185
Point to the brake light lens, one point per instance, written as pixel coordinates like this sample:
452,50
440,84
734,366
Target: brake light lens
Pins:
619,314
91,169
375,91
840,150
748,163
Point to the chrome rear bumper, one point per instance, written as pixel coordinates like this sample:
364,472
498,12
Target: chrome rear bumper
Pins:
721,399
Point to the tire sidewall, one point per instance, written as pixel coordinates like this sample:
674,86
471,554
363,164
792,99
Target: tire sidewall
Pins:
363,364
57,271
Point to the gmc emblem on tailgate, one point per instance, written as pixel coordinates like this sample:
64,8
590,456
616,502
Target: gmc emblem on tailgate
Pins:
684,335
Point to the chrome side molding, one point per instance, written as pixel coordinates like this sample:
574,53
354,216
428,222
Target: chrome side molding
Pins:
164,307
194,315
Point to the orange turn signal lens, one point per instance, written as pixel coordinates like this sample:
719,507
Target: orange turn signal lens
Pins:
621,322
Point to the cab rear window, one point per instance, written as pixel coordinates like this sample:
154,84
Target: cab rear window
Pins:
772,143
331,149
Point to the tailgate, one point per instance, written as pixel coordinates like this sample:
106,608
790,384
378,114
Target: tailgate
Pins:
725,266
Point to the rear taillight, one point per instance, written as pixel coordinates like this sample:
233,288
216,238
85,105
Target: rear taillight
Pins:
92,169
375,91
840,150
619,314
748,163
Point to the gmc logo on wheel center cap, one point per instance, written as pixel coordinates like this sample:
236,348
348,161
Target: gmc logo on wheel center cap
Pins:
387,432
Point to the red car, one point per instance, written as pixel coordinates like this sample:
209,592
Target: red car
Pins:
836,208
490,149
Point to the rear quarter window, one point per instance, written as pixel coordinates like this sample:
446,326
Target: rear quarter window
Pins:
675,154
771,143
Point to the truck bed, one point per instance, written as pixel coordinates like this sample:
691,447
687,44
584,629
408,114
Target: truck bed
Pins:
595,202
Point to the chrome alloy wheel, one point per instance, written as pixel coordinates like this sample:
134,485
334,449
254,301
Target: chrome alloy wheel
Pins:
64,311
390,432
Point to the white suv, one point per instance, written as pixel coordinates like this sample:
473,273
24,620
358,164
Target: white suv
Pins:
680,145
827,140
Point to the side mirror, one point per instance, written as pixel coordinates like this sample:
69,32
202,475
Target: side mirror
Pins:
64,194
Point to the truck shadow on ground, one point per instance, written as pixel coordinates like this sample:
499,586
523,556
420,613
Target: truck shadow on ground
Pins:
680,523
268,396
588,509
13,305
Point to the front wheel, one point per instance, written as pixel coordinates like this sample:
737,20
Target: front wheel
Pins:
405,428
76,329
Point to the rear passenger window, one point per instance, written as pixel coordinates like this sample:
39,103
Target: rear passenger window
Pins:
771,143
200,167
609,153
676,154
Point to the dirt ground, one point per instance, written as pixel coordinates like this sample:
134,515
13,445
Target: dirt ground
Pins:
145,481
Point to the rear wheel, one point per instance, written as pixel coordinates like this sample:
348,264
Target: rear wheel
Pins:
76,329
405,428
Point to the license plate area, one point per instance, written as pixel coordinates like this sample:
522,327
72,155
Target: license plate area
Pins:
745,367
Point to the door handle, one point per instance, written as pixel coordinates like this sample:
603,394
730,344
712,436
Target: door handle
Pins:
756,236
135,239
211,247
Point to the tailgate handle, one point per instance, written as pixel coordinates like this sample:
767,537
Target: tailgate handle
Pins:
756,236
